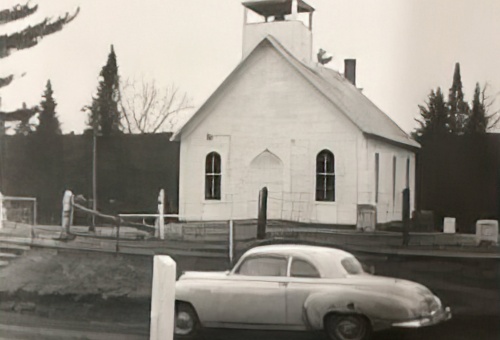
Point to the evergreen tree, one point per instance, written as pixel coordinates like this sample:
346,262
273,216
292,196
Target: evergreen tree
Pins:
23,39
104,115
28,37
48,121
478,119
434,117
458,108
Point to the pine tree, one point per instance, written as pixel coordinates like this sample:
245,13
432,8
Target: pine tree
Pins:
28,37
457,106
46,153
104,115
23,39
48,121
478,121
434,117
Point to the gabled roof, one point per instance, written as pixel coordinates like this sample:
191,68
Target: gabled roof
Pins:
340,92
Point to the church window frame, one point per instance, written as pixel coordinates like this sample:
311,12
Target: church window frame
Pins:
325,176
213,176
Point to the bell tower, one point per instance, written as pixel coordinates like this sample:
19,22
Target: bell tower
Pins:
284,20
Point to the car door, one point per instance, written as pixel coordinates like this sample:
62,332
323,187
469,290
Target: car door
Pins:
254,294
305,279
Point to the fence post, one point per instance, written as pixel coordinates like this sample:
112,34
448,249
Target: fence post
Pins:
406,216
117,225
231,242
262,219
66,213
1,211
161,213
163,298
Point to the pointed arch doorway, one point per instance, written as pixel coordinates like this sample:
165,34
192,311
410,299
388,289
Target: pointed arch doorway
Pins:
266,170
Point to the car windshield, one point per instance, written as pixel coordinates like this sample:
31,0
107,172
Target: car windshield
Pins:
352,265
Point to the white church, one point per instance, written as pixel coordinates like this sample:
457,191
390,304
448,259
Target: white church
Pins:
284,121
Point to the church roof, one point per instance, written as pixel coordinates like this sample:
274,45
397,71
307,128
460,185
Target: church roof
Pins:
276,7
372,121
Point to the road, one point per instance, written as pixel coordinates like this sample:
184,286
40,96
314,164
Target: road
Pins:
460,328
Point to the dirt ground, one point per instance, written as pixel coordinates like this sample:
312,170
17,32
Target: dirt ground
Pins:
79,285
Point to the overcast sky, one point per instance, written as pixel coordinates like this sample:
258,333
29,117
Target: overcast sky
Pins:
404,48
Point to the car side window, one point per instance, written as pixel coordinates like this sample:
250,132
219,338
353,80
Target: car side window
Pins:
263,266
301,268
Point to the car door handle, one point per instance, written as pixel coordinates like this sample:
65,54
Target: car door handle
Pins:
283,284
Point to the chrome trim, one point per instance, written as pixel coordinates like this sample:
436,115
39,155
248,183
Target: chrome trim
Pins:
437,317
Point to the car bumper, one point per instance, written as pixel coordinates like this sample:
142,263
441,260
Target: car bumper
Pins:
438,317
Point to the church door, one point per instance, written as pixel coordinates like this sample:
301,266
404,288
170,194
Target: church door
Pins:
266,170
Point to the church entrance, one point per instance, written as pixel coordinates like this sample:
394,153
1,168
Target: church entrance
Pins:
266,170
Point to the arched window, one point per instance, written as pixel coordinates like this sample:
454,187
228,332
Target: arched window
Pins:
212,176
325,176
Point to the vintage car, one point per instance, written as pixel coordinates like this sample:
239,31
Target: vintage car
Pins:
298,287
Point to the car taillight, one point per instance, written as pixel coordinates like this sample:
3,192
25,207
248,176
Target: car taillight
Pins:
429,306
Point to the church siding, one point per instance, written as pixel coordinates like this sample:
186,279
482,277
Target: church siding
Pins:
269,106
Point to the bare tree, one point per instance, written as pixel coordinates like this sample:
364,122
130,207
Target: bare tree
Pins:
146,108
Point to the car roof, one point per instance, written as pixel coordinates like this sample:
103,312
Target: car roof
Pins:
298,249
326,260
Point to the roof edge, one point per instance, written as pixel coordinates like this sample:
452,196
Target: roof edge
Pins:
178,133
415,146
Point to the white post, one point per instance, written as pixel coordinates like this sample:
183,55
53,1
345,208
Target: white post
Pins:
1,211
295,9
66,212
161,213
163,299
231,242
449,225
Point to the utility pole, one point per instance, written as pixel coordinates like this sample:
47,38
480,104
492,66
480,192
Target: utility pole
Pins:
2,148
94,176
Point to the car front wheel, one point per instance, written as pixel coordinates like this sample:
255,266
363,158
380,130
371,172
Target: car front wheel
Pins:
347,327
186,322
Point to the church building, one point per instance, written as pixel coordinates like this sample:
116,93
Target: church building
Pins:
285,121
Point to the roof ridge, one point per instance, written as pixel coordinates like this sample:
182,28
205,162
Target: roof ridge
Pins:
314,70
346,98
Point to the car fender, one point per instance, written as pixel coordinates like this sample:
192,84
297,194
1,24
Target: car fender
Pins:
380,309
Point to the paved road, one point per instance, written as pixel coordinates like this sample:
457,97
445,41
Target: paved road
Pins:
32,327
461,328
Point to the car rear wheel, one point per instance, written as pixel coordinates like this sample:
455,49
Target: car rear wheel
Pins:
186,324
347,327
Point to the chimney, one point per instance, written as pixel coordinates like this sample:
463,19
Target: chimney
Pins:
350,70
